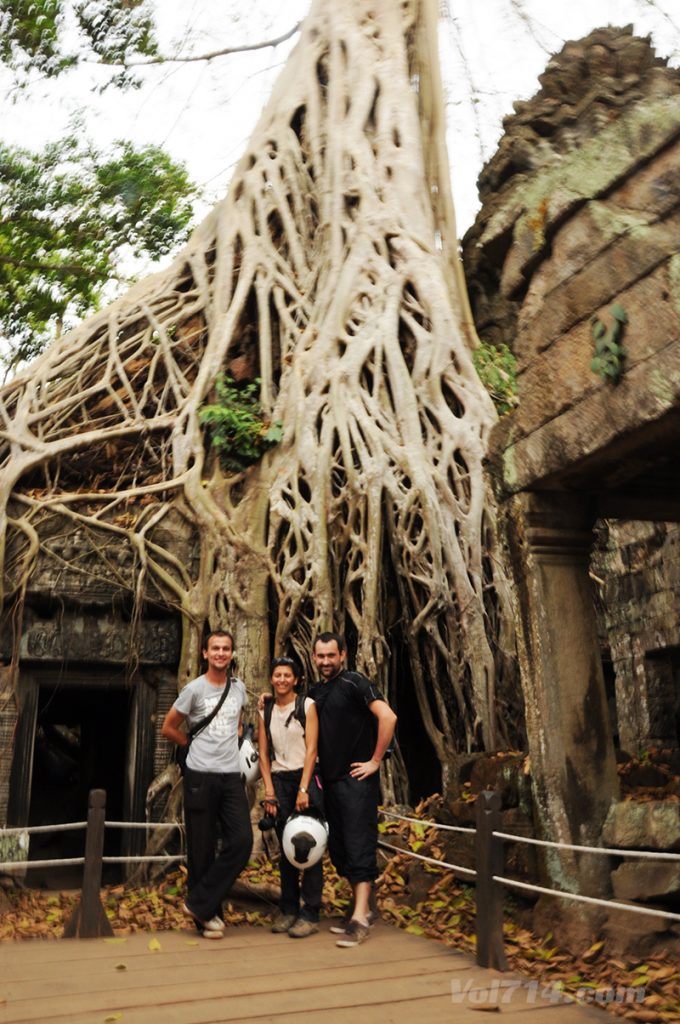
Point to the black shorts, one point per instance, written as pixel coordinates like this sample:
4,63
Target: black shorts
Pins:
352,813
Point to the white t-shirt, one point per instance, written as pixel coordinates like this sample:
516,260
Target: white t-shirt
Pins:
215,748
288,740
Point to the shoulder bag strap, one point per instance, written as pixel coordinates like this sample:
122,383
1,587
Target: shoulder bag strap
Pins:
208,718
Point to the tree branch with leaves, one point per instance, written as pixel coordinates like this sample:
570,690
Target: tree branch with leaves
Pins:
71,218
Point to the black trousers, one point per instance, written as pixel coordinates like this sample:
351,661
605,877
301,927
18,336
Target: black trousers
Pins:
212,798
301,897
352,815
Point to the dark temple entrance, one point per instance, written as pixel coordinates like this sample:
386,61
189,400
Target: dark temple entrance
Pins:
78,731
80,744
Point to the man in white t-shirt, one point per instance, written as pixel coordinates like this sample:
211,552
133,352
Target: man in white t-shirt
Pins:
213,790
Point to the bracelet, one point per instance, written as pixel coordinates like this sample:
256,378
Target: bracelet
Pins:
301,789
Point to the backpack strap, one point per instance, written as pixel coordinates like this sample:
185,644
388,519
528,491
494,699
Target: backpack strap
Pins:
268,709
300,712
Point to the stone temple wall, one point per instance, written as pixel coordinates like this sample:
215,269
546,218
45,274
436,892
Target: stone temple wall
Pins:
578,239
81,645
582,213
640,623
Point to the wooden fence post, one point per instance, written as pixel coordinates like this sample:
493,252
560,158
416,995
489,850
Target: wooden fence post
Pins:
89,919
489,894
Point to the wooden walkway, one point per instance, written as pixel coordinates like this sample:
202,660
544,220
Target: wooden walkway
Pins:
252,975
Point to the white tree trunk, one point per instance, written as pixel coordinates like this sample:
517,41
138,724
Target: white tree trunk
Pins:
332,266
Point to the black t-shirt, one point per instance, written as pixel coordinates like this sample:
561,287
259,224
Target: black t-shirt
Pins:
347,728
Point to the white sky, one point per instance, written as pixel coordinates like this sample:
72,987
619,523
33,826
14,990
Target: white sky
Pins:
204,113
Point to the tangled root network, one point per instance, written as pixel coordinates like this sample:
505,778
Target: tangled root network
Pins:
329,272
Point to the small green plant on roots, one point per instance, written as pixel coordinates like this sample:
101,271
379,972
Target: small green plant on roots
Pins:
496,367
239,430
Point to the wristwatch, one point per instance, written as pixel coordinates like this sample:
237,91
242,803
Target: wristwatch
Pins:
301,789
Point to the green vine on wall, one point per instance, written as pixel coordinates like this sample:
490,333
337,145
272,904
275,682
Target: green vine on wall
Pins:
609,353
239,430
496,367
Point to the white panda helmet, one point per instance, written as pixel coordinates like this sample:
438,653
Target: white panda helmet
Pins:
248,757
305,838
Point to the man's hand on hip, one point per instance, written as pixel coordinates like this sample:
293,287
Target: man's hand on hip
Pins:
362,769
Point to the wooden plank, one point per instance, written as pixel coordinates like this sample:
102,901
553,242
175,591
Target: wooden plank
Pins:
440,1010
177,1005
241,938
252,979
401,1001
246,963
21,959
394,977
340,988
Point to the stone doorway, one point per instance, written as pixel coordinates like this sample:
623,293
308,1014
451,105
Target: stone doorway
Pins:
80,730
663,675
80,744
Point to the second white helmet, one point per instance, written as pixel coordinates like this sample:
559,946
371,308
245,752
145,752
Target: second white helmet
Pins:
305,838
248,757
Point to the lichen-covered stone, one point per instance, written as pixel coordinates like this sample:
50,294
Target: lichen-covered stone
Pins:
650,825
646,880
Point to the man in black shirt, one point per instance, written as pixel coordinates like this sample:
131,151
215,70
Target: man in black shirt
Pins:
356,726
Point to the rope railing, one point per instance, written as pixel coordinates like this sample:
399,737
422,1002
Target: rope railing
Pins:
429,860
31,830
37,829
490,879
608,851
89,919
585,899
150,859
143,824
68,861
10,865
428,824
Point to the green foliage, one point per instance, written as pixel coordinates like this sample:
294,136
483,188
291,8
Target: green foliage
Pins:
52,36
497,369
239,430
609,353
69,218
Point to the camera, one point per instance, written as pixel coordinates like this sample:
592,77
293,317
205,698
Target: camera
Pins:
267,820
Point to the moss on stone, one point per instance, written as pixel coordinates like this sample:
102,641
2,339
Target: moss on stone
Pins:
589,171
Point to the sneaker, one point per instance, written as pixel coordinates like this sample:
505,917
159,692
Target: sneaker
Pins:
340,929
302,928
215,924
282,923
355,934
213,933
